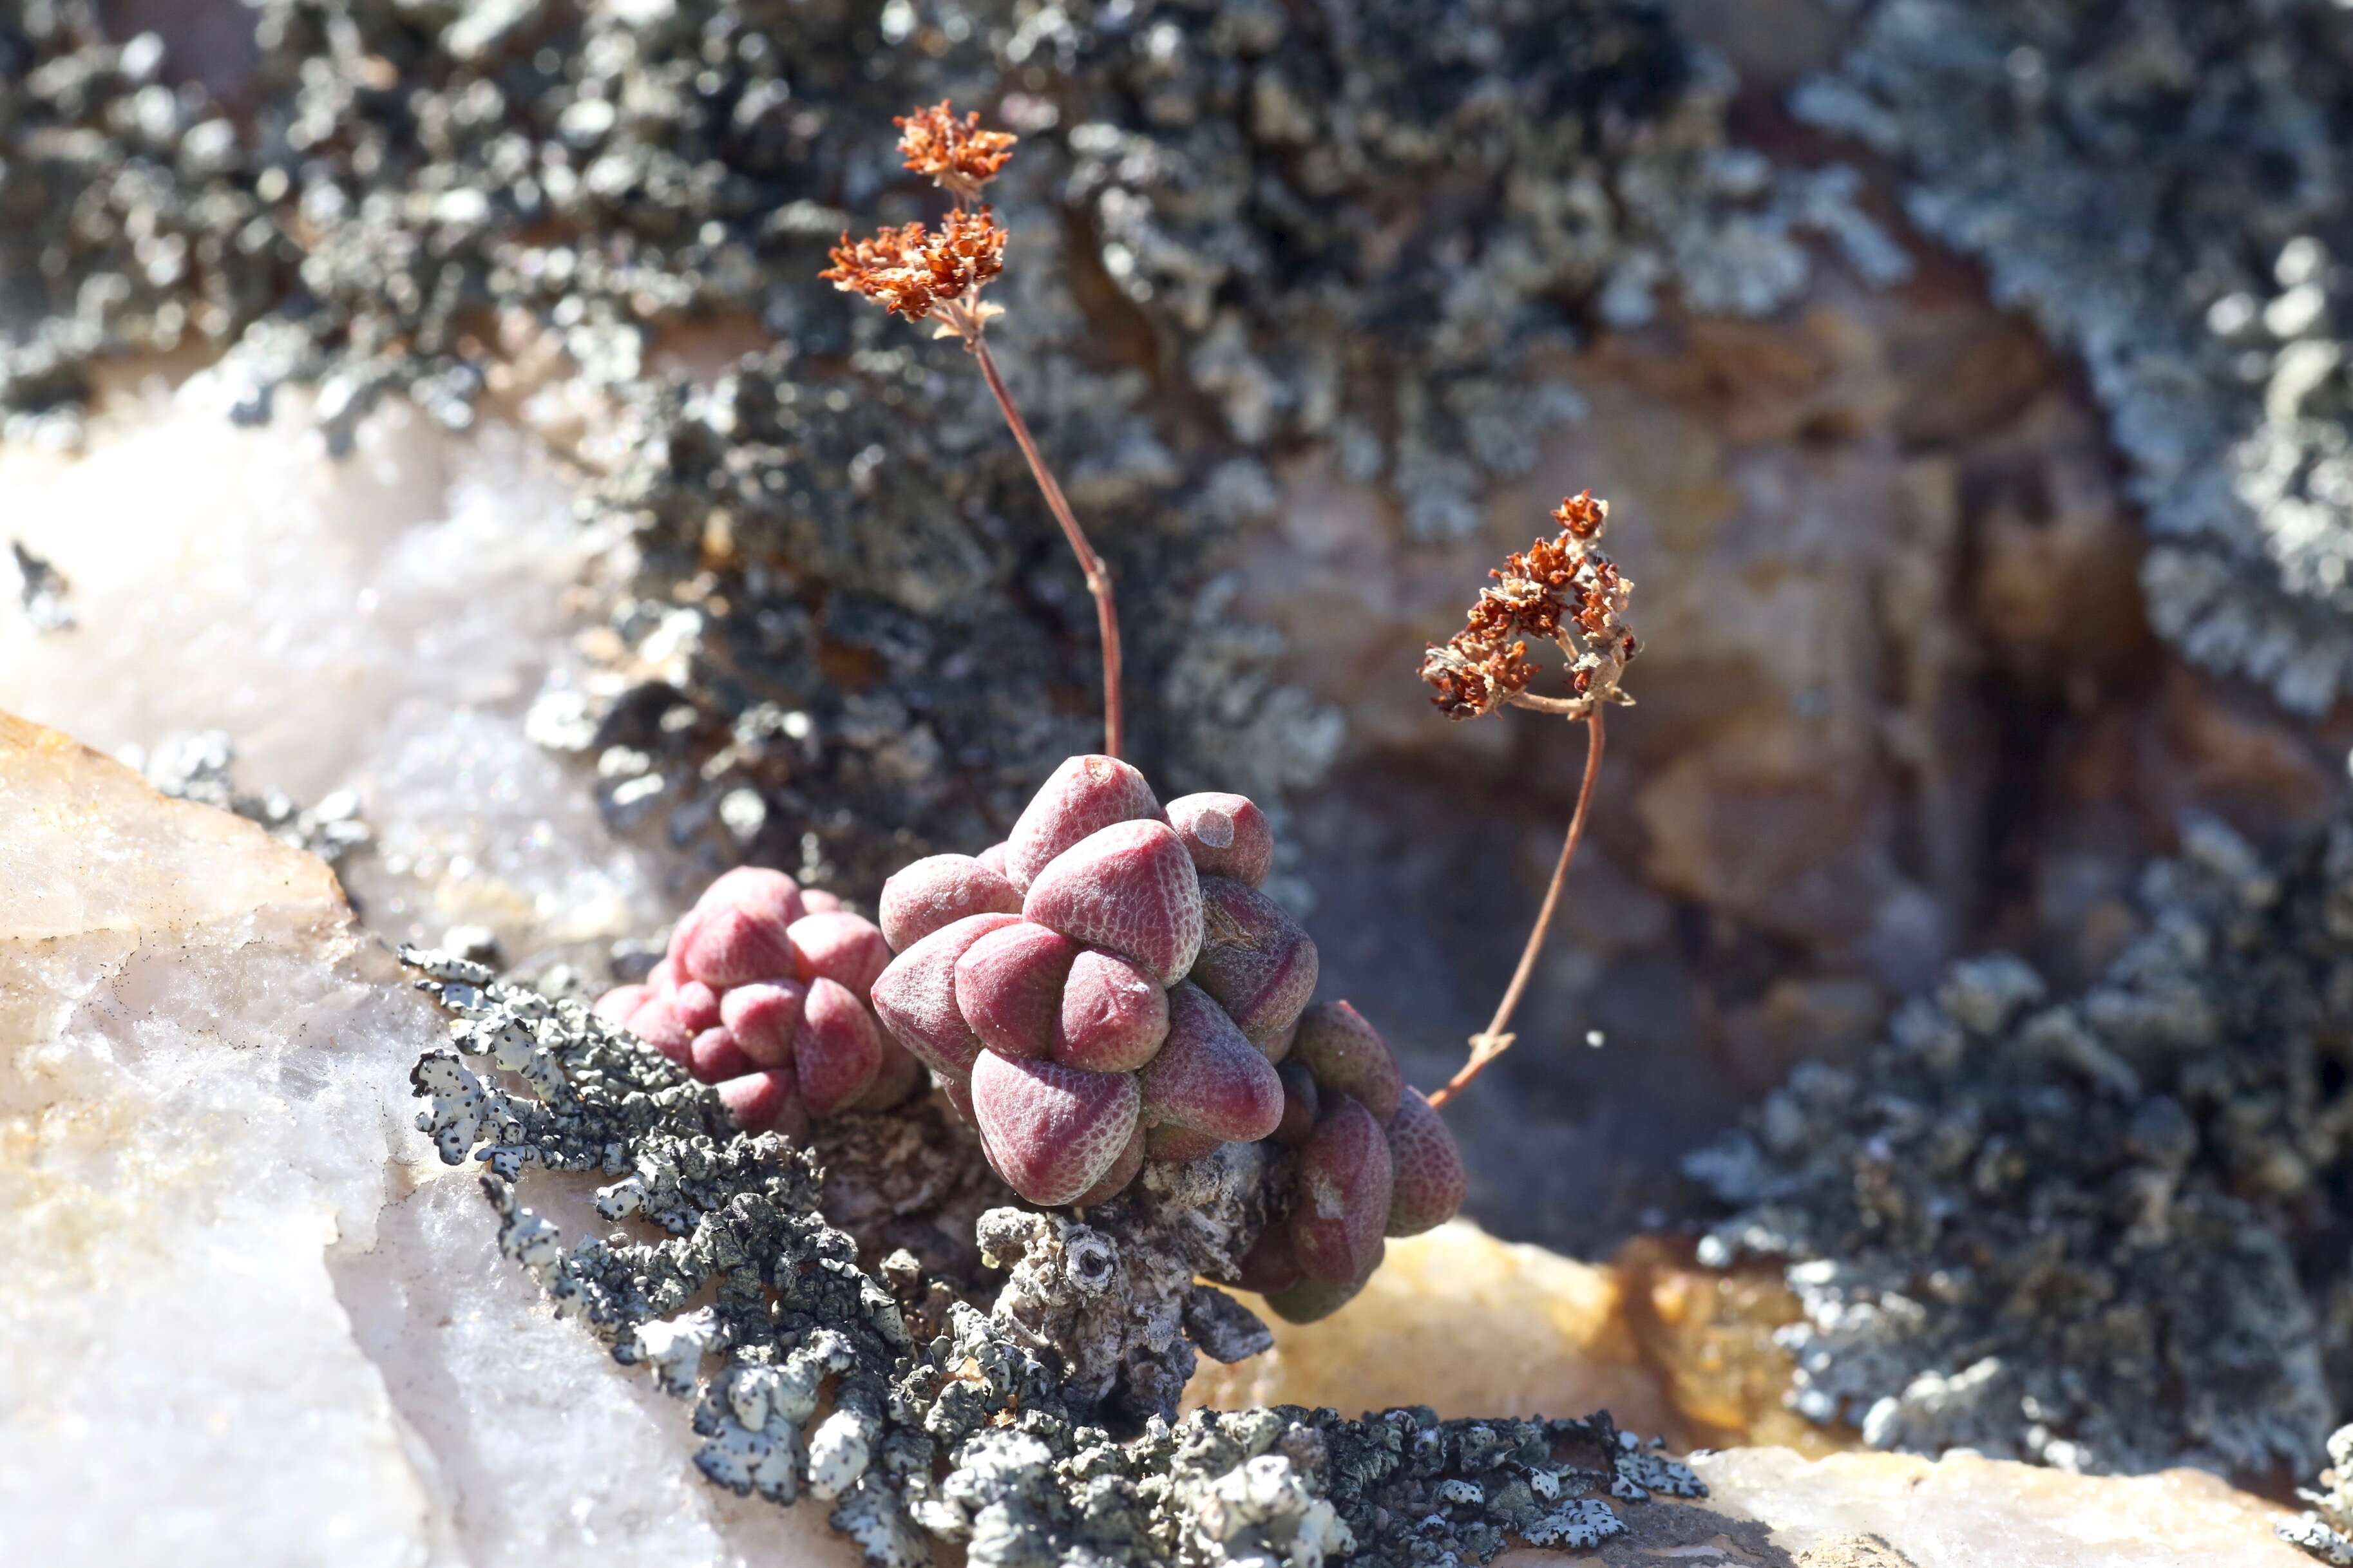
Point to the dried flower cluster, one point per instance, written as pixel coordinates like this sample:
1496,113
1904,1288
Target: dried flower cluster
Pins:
912,271
1563,591
957,153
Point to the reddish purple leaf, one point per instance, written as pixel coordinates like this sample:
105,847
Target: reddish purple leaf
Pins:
1130,889
1009,986
1227,834
938,890
1082,797
1052,1132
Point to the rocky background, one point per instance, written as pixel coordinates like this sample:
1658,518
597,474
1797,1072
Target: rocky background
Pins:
1963,378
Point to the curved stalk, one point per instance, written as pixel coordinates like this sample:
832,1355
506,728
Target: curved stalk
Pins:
1090,563
1492,1042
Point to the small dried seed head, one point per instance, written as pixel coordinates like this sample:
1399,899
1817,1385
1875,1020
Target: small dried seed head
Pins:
912,271
1563,591
957,153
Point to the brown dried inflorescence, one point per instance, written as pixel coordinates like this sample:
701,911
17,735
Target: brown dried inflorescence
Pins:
1563,591
913,269
958,153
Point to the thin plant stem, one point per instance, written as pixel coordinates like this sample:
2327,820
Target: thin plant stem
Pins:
1492,1042
1090,563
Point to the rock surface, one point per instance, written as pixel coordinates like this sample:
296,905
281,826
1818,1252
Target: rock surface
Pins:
250,1324
1471,1326
382,624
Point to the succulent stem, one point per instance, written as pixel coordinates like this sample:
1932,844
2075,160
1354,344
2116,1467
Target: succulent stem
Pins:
1090,563
1493,1041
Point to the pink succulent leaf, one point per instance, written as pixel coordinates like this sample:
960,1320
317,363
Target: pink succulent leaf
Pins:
658,1026
1227,835
1301,1101
764,1017
1130,889
1052,1132
1347,1054
1270,1264
696,1005
1009,986
616,1006
759,890
897,1081
1208,1078
846,949
1174,1145
727,945
938,890
714,1058
817,902
1341,1193
1080,798
838,1052
1312,1299
1428,1181
765,1102
1122,1170
1113,1015
1255,959
916,996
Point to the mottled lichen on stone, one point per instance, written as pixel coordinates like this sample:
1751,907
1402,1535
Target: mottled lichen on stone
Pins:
805,1377
2095,1231
2037,134
2326,1528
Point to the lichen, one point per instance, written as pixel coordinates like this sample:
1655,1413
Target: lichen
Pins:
202,768
2103,1232
2163,185
2326,1530
918,1416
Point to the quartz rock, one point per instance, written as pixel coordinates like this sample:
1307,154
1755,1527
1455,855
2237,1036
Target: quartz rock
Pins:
1967,1513
1468,1325
385,624
249,1321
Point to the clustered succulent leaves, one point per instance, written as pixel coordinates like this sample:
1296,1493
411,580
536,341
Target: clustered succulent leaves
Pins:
763,993
1110,986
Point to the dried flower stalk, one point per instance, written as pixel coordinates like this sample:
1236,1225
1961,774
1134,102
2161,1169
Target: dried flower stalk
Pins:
1563,591
920,273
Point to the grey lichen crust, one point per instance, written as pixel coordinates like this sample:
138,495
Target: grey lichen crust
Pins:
2326,1530
2165,186
918,1416
1243,232
2104,1233
202,768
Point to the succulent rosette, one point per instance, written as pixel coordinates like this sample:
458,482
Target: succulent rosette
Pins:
763,994
1110,986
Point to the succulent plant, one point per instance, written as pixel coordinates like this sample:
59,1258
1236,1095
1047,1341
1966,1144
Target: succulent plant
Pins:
1105,987
763,993
1370,1158
1109,986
